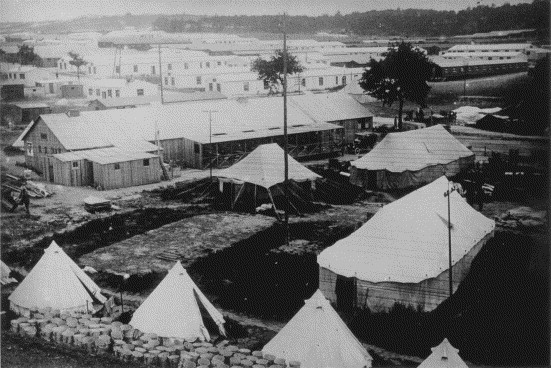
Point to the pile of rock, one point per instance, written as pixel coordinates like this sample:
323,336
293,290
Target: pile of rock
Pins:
105,336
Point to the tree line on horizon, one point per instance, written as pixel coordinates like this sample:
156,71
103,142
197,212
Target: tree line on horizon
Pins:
410,22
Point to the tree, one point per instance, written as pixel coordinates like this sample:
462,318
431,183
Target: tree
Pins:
271,71
26,56
402,75
77,61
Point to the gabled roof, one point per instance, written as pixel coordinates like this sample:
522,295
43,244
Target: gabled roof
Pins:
252,118
105,156
318,338
172,309
330,107
407,240
56,282
443,356
264,167
413,150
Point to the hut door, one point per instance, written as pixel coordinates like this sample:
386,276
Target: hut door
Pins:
90,172
345,289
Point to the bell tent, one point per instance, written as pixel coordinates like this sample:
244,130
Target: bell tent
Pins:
56,282
318,338
264,168
172,309
443,356
401,253
5,274
411,158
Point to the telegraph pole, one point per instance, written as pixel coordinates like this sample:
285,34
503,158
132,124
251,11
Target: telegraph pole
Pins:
161,74
285,140
450,277
210,139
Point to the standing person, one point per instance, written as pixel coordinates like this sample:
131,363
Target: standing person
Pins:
24,199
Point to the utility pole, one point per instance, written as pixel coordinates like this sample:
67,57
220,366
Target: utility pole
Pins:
465,67
210,139
450,277
161,74
285,140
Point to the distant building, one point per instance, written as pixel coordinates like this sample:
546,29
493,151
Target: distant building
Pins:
23,112
172,97
460,68
115,88
10,92
28,75
72,91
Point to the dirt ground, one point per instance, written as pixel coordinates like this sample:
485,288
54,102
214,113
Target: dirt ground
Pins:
199,237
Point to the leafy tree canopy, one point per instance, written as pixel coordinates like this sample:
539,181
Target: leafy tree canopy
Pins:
77,60
271,71
402,75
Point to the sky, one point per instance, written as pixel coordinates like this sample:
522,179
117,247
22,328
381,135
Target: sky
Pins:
44,10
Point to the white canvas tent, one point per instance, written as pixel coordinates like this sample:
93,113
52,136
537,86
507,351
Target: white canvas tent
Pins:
411,158
5,274
401,253
172,309
318,338
55,282
264,167
443,356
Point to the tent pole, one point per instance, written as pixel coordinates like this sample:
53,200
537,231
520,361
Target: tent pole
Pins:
238,195
255,196
285,137
273,204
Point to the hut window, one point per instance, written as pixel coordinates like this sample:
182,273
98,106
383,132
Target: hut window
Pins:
146,162
320,81
39,149
110,93
135,68
75,165
118,166
172,80
97,92
140,92
198,80
90,91
169,66
117,93
245,86
21,76
43,136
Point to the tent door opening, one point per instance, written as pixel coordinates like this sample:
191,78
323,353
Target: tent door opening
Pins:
345,289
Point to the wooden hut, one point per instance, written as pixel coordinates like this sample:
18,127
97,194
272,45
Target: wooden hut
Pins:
108,168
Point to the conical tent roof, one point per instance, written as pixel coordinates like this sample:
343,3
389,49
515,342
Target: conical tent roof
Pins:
53,282
82,276
318,338
413,150
407,240
265,167
5,274
172,309
444,356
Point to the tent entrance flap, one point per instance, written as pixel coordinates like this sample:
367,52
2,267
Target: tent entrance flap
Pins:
345,289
